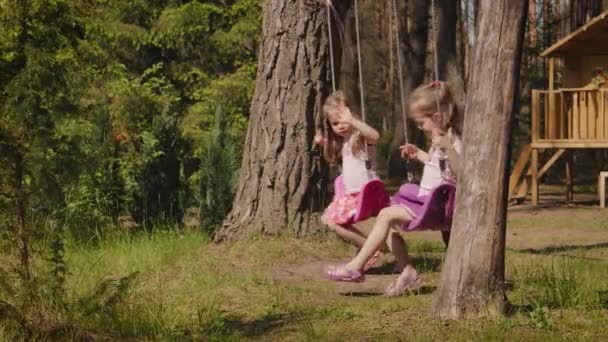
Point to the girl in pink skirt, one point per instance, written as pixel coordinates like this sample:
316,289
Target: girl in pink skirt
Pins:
407,203
345,145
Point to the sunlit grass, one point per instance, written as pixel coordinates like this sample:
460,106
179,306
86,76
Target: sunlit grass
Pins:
188,288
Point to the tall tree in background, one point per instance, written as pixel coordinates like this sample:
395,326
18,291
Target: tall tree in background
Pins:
276,187
446,46
413,27
45,129
582,11
472,280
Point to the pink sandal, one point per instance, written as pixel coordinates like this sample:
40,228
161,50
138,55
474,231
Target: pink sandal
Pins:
341,273
372,261
401,285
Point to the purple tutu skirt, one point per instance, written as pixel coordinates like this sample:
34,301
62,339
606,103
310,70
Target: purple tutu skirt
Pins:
432,211
407,196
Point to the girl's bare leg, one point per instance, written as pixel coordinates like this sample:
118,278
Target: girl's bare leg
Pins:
349,233
387,218
397,246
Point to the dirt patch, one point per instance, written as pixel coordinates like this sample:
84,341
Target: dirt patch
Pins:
551,231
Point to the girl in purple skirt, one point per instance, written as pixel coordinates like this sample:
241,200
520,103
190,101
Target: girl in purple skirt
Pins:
440,166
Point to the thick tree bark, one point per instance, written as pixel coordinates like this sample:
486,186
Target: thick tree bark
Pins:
473,275
277,190
414,36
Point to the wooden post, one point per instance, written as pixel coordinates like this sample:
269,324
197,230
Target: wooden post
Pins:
576,120
551,73
601,188
601,129
535,115
534,172
584,114
550,115
569,175
562,115
472,279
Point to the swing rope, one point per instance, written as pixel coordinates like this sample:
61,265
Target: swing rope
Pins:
397,36
331,9
361,88
435,25
331,46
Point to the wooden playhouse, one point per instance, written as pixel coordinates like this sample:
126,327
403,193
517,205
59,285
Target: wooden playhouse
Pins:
571,116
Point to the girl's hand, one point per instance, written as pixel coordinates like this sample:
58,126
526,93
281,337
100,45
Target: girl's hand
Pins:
408,151
442,141
319,138
345,117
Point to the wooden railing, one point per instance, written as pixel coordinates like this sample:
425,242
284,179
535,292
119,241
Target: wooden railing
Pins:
577,117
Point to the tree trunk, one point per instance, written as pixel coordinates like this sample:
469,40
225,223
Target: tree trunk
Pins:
414,36
390,79
349,72
533,23
473,275
582,11
277,190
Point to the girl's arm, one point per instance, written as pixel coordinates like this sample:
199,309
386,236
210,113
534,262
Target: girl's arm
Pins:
453,158
422,156
444,142
412,152
370,135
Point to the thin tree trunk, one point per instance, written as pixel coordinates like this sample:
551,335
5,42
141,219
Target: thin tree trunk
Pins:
276,190
582,11
476,11
466,46
533,23
449,68
349,72
472,281
462,38
21,224
564,10
413,50
390,80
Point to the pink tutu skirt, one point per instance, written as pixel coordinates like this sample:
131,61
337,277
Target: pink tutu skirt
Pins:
342,209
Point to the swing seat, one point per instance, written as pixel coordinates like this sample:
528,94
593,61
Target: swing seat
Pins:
437,211
372,198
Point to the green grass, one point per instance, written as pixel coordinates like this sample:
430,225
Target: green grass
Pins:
190,289
548,221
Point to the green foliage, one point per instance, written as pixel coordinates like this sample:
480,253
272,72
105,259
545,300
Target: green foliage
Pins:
143,110
40,306
108,107
107,115
218,175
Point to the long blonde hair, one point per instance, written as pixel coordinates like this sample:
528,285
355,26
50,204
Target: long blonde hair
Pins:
333,146
424,99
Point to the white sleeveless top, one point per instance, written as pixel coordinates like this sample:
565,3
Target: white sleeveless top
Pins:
431,174
354,172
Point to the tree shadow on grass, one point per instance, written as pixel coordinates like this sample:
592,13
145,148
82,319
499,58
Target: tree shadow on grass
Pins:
232,325
423,264
423,290
558,249
261,326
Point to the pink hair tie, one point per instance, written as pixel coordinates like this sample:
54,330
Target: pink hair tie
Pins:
436,83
